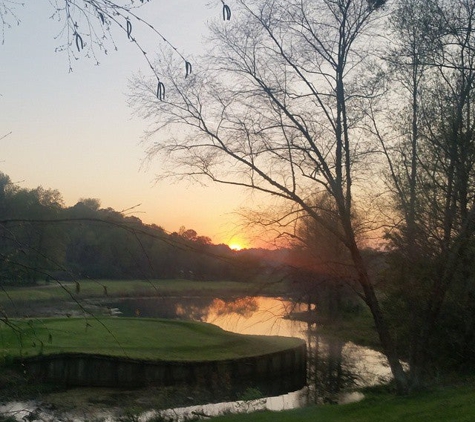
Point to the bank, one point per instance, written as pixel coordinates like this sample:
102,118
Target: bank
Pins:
141,352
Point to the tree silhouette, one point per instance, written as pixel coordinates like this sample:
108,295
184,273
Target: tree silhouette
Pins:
277,110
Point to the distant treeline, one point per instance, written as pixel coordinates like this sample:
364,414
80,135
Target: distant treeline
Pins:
42,239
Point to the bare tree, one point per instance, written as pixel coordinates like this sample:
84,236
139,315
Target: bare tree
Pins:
277,110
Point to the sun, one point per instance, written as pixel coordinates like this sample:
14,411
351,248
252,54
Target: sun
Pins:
235,246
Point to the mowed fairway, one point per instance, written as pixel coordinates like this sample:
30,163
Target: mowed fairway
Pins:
138,338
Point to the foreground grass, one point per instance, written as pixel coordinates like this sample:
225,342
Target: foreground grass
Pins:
138,338
451,404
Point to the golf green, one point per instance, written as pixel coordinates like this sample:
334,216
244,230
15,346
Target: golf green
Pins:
137,338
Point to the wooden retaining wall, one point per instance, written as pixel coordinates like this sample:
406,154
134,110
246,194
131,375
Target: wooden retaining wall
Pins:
274,373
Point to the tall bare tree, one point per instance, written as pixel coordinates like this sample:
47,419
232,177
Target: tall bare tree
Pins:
275,108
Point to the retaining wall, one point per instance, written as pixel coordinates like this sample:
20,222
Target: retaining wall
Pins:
275,372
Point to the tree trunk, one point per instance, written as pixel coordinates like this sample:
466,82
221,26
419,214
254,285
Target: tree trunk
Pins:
387,342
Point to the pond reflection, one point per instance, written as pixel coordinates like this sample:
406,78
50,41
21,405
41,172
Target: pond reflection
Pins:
255,315
335,368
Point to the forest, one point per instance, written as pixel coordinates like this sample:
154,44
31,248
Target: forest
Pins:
41,239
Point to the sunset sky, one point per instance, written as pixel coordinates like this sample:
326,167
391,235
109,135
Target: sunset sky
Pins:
74,131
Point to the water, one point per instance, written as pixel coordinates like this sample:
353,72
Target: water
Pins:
336,369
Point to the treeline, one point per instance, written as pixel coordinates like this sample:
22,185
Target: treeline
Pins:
42,239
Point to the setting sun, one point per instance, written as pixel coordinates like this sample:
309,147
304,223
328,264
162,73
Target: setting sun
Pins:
235,246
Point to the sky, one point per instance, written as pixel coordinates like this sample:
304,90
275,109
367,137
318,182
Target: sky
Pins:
74,132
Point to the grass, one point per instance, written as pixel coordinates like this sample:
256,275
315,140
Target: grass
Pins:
138,338
158,339
116,288
449,404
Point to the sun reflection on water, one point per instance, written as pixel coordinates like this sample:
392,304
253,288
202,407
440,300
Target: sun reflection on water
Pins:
256,315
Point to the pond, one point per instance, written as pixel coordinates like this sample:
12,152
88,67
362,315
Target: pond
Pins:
335,369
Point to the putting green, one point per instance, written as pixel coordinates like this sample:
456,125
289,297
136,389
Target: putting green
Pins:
137,338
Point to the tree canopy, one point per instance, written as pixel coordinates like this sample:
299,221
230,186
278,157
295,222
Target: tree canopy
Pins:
42,239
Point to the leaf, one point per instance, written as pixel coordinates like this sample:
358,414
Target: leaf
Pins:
129,28
188,68
226,12
79,41
160,91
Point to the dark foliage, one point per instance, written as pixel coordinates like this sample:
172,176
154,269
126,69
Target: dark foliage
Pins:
41,239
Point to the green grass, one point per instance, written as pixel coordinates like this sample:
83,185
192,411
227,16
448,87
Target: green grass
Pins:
94,288
138,338
451,404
